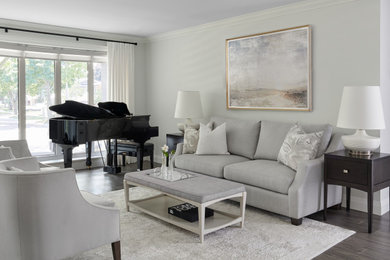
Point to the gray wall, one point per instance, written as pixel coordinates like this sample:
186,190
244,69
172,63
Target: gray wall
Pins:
345,44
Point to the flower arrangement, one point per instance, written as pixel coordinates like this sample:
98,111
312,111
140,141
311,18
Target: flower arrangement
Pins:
165,150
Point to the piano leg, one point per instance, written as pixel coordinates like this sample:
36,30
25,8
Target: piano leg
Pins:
140,157
67,150
112,161
88,150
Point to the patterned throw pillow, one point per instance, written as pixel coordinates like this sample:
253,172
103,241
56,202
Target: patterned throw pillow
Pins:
191,138
299,146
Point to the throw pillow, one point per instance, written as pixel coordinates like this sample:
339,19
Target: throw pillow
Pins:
6,153
191,138
299,146
212,141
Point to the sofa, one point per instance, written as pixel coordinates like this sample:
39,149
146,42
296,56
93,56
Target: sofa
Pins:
254,147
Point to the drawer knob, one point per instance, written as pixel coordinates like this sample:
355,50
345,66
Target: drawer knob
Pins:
345,171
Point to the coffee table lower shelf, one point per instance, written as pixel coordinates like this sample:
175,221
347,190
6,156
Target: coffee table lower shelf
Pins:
157,206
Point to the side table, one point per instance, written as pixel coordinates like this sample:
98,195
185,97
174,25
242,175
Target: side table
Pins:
368,174
174,139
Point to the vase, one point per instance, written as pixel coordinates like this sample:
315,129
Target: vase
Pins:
164,169
170,164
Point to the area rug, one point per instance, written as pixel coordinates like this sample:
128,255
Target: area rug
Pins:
264,236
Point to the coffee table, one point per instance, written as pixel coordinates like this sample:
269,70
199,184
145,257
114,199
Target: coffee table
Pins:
199,190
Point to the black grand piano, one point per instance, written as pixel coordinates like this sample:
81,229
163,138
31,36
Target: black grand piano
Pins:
83,124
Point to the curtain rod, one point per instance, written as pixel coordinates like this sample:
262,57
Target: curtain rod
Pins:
63,35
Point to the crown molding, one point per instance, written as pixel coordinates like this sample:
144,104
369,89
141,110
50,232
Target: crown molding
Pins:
300,7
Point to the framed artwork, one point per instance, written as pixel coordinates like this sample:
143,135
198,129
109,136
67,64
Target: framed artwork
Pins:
270,70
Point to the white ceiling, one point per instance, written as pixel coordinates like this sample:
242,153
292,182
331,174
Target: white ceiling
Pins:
133,17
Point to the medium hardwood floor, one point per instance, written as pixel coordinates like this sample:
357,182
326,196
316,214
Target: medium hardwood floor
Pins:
359,246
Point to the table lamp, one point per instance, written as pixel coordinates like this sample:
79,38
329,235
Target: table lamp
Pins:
361,109
188,106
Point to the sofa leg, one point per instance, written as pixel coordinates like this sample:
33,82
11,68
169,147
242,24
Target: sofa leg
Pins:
296,221
116,250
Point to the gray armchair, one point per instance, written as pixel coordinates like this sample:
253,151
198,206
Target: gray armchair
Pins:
43,215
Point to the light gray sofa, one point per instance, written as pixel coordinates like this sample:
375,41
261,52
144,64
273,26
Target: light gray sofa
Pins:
272,186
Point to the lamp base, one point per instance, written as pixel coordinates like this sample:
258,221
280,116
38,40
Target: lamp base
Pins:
360,144
360,154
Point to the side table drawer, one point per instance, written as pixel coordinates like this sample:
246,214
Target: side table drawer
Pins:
352,172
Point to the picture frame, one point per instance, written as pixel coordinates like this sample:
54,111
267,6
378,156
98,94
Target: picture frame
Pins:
270,70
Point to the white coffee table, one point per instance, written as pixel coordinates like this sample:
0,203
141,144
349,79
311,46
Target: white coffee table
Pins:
199,190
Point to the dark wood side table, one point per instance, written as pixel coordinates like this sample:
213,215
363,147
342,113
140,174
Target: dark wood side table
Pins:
174,139
368,174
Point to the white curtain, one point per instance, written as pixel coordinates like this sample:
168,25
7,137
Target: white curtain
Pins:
121,74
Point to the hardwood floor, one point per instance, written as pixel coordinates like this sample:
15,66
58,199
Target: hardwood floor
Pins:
359,246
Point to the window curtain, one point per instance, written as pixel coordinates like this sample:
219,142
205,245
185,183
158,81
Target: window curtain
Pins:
121,73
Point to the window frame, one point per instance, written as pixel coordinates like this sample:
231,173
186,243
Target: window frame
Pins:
23,52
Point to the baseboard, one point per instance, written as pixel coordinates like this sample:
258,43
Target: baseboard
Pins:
359,202
77,163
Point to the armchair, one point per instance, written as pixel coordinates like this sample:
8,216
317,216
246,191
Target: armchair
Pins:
44,216
20,149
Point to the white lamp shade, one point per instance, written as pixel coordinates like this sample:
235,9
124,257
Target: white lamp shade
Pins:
188,105
361,108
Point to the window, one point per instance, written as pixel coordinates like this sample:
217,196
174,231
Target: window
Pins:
39,97
100,82
74,81
48,79
9,98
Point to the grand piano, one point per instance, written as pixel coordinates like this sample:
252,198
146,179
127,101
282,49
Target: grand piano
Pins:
83,124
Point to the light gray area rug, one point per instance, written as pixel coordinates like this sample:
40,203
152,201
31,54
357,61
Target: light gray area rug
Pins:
264,236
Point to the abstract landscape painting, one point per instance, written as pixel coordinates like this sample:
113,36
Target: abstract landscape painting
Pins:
270,70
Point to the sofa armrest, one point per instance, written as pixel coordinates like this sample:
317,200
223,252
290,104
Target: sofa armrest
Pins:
306,192
178,152
179,149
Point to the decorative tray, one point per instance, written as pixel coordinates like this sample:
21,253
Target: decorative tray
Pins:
172,176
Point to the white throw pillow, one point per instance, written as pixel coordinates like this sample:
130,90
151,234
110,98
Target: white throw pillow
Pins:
191,138
212,141
299,146
6,153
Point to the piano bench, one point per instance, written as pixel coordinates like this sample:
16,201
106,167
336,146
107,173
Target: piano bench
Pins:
132,149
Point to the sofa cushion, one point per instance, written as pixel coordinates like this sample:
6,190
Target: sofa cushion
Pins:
266,174
271,138
211,165
242,135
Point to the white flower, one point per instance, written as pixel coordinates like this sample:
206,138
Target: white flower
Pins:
165,148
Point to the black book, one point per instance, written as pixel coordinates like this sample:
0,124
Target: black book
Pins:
188,212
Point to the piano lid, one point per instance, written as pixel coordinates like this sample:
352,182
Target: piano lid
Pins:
76,110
